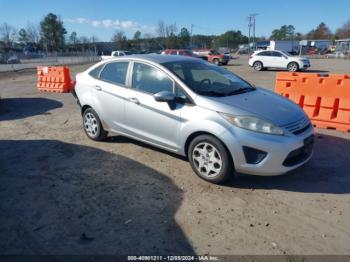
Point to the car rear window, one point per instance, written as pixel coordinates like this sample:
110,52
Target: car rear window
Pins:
115,72
96,72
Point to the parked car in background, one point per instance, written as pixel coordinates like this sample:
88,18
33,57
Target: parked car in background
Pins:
116,54
263,59
184,52
187,106
9,58
13,59
213,56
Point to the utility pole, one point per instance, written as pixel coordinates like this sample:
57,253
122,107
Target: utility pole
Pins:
192,25
251,26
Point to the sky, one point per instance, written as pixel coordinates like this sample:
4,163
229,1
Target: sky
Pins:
101,18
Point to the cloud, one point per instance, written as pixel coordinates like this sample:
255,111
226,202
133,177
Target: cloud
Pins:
126,25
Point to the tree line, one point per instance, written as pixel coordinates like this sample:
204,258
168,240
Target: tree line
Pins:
322,31
51,35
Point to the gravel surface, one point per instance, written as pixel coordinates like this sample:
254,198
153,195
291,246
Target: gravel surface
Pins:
61,193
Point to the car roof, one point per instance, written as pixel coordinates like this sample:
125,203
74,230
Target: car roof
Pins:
160,59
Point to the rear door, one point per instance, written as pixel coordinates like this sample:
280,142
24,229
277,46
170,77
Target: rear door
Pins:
265,58
146,119
110,88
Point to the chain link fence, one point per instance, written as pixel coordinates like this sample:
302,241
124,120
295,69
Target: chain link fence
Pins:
17,61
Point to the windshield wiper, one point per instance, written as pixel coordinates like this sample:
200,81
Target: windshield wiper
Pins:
212,93
240,91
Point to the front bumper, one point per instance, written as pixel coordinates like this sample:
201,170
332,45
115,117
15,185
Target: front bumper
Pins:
284,153
305,65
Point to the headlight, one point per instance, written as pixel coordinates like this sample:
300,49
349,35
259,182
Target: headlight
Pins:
253,124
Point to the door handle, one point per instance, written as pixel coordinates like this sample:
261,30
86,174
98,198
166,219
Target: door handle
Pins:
98,88
134,100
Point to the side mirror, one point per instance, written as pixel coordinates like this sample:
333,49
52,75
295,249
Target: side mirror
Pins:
164,96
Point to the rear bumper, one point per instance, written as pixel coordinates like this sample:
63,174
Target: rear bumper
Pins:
74,94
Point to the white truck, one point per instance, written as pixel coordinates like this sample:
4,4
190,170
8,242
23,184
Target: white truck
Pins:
288,46
116,54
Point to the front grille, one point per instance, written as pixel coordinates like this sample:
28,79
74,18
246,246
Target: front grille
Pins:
301,154
299,126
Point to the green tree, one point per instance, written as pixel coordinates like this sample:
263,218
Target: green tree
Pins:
52,32
184,37
286,32
230,39
23,38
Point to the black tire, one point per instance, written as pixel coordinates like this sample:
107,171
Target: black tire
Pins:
93,129
224,63
227,168
258,66
293,67
216,61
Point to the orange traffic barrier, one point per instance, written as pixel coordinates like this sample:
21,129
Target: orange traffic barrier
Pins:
324,98
54,79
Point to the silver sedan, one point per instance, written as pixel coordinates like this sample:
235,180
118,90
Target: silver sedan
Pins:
219,121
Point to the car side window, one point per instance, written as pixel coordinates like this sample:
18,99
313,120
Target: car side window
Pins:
115,72
173,52
276,54
265,53
96,72
180,95
150,80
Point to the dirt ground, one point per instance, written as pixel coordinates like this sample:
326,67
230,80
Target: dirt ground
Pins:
61,193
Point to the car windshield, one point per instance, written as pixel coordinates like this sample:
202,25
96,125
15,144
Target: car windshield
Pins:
214,52
207,79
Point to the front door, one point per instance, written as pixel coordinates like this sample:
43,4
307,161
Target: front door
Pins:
146,119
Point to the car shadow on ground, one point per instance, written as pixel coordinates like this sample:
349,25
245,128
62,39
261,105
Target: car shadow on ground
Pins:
60,198
304,71
327,172
125,140
19,108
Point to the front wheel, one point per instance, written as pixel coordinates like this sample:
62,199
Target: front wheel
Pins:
92,125
216,61
293,67
209,159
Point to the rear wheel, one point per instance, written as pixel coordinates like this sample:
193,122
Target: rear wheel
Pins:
92,125
293,67
258,66
209,159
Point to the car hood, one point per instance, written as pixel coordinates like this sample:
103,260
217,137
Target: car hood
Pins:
260,103
298,58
